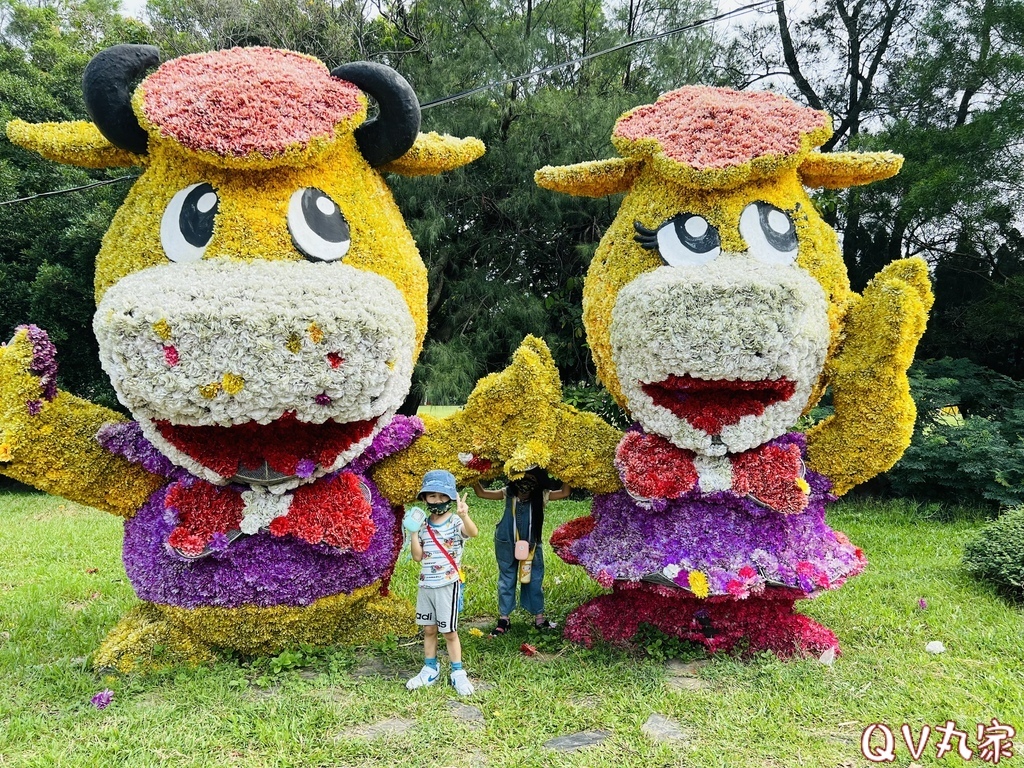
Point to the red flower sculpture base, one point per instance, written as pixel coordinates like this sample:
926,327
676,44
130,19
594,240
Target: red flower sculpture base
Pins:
766,622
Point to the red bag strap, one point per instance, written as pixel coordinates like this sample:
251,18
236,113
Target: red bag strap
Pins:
446,553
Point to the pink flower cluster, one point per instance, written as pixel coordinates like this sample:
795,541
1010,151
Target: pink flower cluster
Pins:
763,622
718,127
247,100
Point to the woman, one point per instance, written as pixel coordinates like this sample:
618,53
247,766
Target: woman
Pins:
523,521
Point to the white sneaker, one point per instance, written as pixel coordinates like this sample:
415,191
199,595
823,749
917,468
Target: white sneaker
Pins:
427,676
461,682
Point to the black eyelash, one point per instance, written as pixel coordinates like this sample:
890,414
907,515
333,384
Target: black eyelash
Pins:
648,238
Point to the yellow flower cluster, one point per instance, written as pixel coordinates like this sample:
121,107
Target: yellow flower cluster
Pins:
56,450
515,420
152,636
252,218
699,584
73,143
597,178
839,170
874,413
433,153
653,200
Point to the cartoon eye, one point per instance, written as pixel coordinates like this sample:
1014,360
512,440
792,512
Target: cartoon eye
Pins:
769,233
684,240
317,226
187,224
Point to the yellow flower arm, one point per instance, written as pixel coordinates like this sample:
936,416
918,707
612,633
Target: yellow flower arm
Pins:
55,448
874,413
513,420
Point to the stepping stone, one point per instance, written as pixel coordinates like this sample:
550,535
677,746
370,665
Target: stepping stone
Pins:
586,702
684,676
664,729
480,622
481,685
395,726
470,715
685,684
374,667
676,668
309,674
575,741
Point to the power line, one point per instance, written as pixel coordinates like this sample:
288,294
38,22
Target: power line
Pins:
69,189
479,89
621,46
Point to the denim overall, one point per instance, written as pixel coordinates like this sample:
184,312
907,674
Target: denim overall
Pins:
531,595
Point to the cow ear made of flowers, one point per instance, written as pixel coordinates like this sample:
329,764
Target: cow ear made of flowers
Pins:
718,310
261,305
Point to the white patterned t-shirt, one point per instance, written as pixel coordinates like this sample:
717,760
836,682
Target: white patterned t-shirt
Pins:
435,569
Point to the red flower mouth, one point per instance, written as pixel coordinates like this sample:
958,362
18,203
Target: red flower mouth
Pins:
710,405
286,446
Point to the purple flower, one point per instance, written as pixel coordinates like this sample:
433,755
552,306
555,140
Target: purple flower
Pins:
125,439
102,699
305,468
219,541
922,604
34,407
720,534
44,359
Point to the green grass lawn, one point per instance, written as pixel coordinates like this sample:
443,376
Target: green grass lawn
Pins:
62,587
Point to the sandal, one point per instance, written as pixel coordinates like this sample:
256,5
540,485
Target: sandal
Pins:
501,629
545,626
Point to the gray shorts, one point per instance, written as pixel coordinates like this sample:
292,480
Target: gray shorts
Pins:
440,606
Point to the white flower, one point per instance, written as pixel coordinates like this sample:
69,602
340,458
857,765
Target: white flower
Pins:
733,319
262,507
221,343
671,570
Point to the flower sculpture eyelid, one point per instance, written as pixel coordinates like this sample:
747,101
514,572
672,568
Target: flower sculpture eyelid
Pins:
769,233
186,226
686,239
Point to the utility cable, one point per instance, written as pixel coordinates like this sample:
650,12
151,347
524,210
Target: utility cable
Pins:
479,89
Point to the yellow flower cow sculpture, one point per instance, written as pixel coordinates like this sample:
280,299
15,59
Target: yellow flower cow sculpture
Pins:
260,307
718,310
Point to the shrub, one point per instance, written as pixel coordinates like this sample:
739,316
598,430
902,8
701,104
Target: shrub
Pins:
997,554
968,443
596,399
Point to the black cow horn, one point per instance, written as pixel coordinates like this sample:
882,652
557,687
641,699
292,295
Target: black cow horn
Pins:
107,86
389,135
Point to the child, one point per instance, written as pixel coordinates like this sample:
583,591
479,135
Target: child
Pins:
523,519
438,547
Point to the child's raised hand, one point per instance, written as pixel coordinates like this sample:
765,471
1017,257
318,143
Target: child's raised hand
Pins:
462,508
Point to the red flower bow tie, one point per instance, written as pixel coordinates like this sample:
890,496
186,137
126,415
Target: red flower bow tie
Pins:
332,510
653,468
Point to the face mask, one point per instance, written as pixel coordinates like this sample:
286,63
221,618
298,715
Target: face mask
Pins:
440,507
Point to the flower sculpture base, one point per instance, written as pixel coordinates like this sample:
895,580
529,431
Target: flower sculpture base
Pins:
154,636
765,622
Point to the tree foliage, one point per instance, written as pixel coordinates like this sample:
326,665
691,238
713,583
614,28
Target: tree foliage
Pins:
943,85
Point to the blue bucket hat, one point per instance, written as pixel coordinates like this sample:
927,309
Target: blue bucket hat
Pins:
439,481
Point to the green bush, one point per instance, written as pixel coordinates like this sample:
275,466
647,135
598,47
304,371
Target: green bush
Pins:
997,554
973,455
595,398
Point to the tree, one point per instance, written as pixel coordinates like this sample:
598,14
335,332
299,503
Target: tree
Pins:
49,244
944,86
